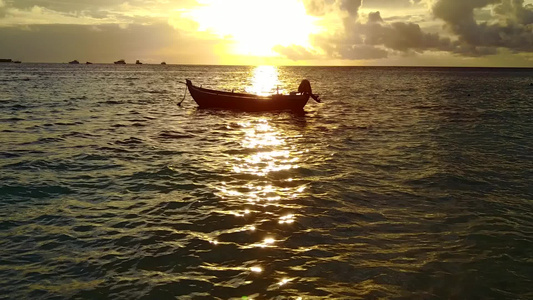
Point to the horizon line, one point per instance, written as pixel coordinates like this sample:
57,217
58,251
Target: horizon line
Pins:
255,65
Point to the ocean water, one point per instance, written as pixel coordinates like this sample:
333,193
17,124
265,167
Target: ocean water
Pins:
411,183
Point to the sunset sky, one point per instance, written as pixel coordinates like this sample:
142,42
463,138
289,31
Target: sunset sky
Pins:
277,32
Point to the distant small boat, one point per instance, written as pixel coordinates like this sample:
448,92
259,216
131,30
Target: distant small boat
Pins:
74,62
17,61
138,62
163,63
120,62
295,101
88,63
5,60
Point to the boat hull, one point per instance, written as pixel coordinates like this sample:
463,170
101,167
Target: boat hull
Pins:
206,98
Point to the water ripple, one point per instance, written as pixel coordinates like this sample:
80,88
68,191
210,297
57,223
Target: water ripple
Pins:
411,189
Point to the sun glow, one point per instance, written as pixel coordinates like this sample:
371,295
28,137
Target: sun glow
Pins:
264,81
256,26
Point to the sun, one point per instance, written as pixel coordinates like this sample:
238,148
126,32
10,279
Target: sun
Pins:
255,26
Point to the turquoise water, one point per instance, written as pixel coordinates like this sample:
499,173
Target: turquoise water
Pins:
403,183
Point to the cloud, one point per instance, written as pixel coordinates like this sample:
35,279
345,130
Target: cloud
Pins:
295,52
351,29
506,24
388,4
41,15
401,36
374,17
318,7
374,39
359,52
24,12
104,31
105,44
512,28
351,6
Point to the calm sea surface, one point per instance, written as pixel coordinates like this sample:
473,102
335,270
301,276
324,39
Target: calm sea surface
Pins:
403,183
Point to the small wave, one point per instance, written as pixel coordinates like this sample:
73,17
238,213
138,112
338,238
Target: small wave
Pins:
66,123
9,155
113,102
78,134
78,98
19,107
15,79
157,92
92,157
46,140
34,191
174,135
13,119
129,141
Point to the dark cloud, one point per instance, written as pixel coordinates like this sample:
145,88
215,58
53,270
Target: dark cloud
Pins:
377,39
515,11
402,37
361,52
510,27
374,17
351,6
513,29
473,28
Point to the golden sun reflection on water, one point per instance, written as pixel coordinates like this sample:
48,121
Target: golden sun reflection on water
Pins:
263,135
261,185
264,81
267,155
262,189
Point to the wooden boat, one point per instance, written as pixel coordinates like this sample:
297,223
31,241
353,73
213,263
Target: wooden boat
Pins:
207,98
120,62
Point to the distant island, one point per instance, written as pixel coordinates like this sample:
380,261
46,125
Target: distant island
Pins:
9,60
77,62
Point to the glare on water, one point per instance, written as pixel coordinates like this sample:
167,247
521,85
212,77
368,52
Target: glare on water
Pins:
264,81
400,185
